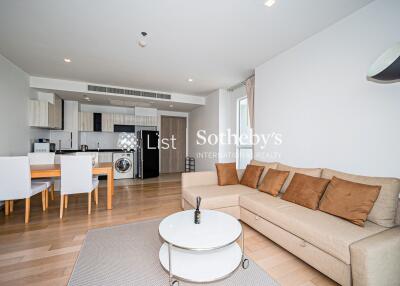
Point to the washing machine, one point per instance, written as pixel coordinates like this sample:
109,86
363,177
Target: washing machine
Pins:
123,165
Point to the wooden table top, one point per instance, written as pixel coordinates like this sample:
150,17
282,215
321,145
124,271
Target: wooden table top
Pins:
54,170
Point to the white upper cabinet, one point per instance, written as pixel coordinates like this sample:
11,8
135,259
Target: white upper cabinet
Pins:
143,120
38,113
57,110
86,121
107,122
119,119
45,114
129,119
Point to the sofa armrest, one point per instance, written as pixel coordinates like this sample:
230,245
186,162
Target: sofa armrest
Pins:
376,260
199,179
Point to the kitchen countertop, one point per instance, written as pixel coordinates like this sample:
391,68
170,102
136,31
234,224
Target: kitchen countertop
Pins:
90,150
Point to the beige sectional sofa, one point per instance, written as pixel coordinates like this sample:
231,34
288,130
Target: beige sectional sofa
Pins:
347,253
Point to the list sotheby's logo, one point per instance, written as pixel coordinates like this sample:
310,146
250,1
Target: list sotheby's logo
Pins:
230,138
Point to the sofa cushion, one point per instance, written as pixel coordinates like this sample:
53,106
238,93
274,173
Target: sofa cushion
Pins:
329,233
305,190
227,174
251,176
266,165
349,200
191,179
384,209
315,172
214,197
273,182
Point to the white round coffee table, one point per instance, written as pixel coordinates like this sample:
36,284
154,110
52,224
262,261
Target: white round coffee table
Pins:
204,252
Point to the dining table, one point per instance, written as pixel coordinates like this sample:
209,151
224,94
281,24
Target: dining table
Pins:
54,171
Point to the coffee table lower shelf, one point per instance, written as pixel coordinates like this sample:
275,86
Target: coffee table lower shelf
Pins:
201,266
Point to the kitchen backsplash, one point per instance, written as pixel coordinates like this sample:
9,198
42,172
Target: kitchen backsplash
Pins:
105,139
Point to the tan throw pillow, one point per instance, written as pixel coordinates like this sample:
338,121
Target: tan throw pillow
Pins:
349,200
273,181
384,210
227,174
251,176
315,172
266,165
305,190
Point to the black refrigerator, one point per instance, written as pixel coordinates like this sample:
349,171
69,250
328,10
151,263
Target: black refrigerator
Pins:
148,154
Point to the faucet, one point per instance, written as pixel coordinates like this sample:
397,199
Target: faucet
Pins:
98,146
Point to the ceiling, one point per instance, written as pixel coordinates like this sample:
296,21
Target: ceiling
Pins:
217,43
115,100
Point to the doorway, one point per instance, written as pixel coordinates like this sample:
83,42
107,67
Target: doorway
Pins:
173,159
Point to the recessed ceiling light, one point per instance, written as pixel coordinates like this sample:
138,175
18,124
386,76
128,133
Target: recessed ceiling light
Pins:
171,105
67,60
142,43
190,79
269,3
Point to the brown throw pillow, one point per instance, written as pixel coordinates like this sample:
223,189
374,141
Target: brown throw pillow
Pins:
305,190
349,200
251,176
273,181
227,174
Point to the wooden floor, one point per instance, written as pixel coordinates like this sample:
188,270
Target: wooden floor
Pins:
44,251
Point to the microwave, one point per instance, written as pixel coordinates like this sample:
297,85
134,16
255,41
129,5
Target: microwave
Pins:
44,147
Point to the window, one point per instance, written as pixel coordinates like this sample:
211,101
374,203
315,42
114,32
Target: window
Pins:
244,148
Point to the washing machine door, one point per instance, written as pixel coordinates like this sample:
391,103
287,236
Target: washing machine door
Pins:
123,165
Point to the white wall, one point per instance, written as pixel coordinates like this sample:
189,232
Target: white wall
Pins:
216,117
204,118
16,136
318,97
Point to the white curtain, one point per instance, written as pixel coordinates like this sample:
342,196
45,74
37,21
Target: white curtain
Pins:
250,99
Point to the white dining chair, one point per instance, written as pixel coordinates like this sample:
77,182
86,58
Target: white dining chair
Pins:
95,160
95,156
76,178
39,158
16,184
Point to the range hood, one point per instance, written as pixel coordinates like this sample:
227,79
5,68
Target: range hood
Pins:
124,128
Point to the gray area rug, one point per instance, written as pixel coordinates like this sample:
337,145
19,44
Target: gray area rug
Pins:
128,255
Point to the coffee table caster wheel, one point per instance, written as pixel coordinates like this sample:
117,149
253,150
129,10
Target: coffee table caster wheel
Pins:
175,283
245,263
